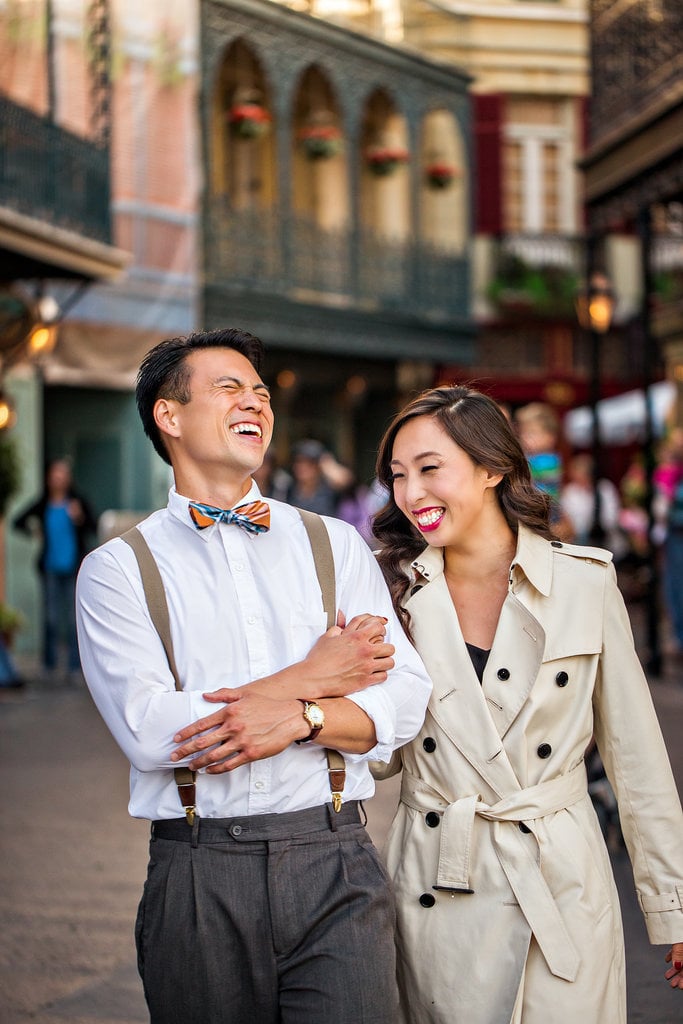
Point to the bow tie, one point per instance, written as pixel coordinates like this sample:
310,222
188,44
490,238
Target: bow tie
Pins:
254,516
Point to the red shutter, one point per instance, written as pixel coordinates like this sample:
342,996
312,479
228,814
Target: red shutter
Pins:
488,116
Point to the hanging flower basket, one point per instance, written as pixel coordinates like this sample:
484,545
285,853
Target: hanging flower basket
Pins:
249,120
320,142
384,160
440,175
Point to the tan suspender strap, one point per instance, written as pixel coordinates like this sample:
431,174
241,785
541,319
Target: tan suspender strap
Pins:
324,566
158,610
324,562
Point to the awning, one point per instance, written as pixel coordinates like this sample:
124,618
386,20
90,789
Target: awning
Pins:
98,355
32,248
621,419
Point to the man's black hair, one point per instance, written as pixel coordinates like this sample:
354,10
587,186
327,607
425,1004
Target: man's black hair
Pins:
164,372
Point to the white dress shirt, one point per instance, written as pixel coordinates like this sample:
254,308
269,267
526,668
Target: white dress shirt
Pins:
241,607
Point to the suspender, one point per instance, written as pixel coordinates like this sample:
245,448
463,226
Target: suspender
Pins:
158,609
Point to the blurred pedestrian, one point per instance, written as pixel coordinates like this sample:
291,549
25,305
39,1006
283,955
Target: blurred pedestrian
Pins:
9,676
577,501
318,479
539,431
272,480
63,520
668,482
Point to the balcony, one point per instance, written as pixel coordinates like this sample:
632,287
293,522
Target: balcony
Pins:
295,258
51,174
535,276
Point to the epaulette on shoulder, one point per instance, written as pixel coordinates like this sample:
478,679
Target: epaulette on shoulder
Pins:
591,554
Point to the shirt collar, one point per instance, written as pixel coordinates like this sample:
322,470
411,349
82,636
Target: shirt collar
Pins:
178,507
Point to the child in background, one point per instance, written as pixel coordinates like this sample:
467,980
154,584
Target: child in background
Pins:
539,429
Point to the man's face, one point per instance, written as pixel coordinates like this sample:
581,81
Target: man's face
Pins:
228,422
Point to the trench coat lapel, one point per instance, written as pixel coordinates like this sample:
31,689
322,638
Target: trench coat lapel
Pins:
458,703
514,662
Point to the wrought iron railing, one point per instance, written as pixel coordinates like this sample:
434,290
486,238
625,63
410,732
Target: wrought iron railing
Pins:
53,175
537,275
257,249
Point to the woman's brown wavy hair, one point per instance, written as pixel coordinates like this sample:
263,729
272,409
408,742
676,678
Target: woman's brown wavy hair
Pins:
477,425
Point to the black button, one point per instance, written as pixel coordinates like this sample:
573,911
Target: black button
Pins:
414,590
556,543
561,678
503,673
429,745
545,750
432,819
524,828
427,900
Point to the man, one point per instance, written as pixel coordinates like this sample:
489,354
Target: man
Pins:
271,907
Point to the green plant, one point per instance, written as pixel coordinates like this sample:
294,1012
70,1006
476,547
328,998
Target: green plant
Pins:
10,473
545,290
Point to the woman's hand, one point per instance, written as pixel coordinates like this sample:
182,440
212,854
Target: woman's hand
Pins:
675,973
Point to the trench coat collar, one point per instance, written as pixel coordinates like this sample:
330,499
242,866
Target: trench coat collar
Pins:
533,558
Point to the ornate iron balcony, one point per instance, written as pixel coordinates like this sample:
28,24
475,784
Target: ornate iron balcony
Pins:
53,175
256,250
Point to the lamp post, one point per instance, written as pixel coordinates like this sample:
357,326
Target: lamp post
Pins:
594,309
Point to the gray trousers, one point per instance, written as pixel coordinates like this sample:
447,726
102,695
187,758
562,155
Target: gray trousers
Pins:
268,919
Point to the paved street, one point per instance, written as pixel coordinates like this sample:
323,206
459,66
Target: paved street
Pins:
72,864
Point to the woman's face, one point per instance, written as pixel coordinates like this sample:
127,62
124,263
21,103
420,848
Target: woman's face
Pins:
437,486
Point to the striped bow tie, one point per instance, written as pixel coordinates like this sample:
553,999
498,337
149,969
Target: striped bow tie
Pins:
254,516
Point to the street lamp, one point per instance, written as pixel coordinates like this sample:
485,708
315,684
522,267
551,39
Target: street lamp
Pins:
594,310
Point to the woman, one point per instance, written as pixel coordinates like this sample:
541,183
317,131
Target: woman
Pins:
507,908
63,520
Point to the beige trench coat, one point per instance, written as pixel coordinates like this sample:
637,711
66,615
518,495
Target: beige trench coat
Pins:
507,909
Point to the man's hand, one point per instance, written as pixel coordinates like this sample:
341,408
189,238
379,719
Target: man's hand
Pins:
249,728
348,658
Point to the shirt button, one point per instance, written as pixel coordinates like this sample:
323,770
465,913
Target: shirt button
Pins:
429,744
235,830
503,673
432,819
524,828
427,900
239,566
561,678
251,620
260,784
545,750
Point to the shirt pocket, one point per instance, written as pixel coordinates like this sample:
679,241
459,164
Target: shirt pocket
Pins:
305,629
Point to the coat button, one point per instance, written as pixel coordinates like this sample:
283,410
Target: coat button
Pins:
414,590
429,744
556,543
561,678
524,828
432,819
545,750
503,673
427,900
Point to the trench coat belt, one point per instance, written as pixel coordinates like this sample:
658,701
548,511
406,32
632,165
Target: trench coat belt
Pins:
517,857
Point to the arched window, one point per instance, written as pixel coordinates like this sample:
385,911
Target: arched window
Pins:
444,183
385,180
243,165
320,188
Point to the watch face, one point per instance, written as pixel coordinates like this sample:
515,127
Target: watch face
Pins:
314,715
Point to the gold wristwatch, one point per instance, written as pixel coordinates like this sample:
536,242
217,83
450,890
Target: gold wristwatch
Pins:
315,716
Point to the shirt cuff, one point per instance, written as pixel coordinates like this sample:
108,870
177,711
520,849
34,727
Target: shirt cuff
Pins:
380,709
